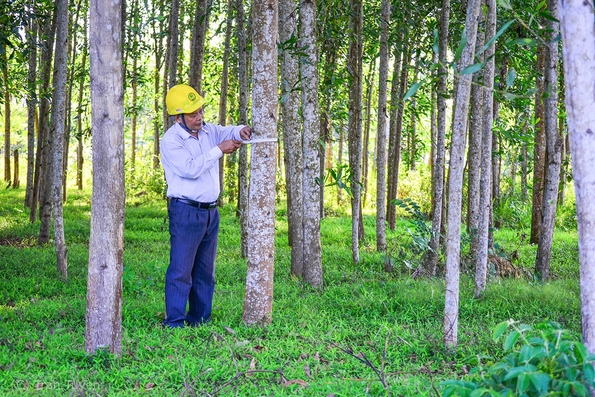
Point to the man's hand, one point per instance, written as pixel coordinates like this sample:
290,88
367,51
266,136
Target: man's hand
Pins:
246,133
229,146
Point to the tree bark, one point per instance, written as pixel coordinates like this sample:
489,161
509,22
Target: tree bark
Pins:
578,37
438,171
7,96
311,169
258,300
485,182
197,48
355,120
553,149
455,185
539,149
292,133
381,132
106,242
243,203
31,107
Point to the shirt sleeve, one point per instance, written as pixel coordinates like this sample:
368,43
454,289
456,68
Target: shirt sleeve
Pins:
186,161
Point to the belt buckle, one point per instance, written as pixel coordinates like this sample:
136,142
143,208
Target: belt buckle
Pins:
212,206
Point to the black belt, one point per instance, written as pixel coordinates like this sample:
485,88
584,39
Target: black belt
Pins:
197,204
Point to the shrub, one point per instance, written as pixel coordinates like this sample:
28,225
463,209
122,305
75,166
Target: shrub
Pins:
545,360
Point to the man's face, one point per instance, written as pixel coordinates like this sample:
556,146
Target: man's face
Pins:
194,120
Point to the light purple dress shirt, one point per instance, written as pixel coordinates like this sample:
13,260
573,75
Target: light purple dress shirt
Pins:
191,164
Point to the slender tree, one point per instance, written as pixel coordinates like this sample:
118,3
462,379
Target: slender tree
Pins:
258,300
31,105
292,133
197,47
311,146
553,148
539,147
106,242
381,134
578,38
455,185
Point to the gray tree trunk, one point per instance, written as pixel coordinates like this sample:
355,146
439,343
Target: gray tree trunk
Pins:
171,58
438,171
197,48
553,149
539,149
243,108
292,133
7,96
381,146
57,134
455,185
355,120
485,183
311,169
578,38
106,242
258,300
31,107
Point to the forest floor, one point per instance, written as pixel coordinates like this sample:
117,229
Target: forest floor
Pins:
367,332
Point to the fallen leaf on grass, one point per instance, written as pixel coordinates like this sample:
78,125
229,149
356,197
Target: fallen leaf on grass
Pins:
252,367
230,330
295,382
150,386
307,370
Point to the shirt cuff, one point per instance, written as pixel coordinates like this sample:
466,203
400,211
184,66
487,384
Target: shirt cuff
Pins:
216,152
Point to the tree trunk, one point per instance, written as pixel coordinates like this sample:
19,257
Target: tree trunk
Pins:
243,108
394,148
474,153
258,300
157,104
354,68
578,35
381,132
31,107
553,149
106,242
44,105
366,142
292,134
438,171
57,134
222,117
171,59
539,149
16,182
7,96
311,169
455,185
197,47
79,121
485,183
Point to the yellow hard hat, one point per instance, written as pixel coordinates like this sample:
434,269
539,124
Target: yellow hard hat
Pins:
182,98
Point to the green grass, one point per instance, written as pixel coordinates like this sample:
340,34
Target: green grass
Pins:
315,345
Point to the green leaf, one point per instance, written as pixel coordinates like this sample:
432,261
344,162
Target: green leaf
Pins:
511,340
476,67
581,352
511,76
461,47
435,46
540,382
498,34
479,392
523,383
589,373
524,41
517,371
504,4
412,90
499,330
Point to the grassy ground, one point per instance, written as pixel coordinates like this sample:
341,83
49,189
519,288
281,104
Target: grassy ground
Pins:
367,332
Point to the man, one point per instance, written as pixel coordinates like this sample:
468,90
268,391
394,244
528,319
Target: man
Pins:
190,152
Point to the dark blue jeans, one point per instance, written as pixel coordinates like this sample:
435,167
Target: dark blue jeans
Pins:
190,277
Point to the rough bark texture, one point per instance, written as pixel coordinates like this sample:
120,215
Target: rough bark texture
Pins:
381,134
197,48
578,38
553,150
243,108
292,134
539,149
258,301
57,133
455,185
6,98
485,183
311,170
438,171
355,120
31,106
106,242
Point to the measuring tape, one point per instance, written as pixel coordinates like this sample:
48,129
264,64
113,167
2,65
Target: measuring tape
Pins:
260,140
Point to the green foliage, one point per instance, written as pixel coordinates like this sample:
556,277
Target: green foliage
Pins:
340,176
421,230
543,360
